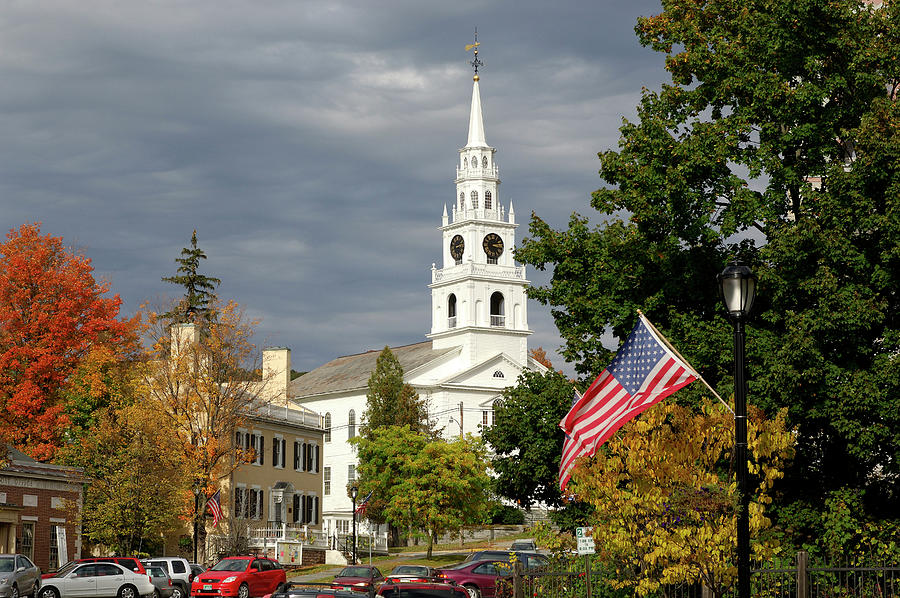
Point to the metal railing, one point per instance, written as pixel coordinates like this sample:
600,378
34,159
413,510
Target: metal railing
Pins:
499,321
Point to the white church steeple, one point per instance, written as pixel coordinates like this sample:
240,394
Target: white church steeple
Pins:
478,295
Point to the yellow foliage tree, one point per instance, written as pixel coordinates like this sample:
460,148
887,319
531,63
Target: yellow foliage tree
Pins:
203,378
666,499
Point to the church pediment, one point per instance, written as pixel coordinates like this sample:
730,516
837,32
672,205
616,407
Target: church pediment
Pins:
498,371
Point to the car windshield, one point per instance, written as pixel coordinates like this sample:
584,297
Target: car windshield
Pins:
231,565
66,568
355,572
7,564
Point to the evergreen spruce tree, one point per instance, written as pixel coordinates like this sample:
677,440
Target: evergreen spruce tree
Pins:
392,402
198,288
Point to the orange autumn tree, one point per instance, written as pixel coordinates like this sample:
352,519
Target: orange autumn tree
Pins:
202,377
52,312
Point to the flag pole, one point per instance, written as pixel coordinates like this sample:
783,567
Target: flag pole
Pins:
681,357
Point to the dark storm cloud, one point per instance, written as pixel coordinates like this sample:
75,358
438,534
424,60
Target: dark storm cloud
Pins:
311,144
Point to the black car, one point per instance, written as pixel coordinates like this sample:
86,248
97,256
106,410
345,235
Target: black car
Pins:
293,589
530,560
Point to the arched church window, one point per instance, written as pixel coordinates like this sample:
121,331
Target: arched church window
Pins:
351,424
497,314
327,427
474,161
475,200
462,200
487,200
451,311
484,161
465,162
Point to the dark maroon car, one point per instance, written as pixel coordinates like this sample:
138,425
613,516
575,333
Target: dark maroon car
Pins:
416,589
478,577
359,578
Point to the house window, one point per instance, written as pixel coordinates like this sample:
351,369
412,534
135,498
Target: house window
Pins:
54,548
487,200
497,317
484,418
298,451
327,427
351,424
475,199
326,478
451,311
351,474
498,374
27,545
256,503
254,444
278,446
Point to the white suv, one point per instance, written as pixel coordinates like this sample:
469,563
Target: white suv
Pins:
178,569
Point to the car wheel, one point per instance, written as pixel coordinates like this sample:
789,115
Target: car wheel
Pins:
48,593
473,591
177,592
243,591
155,592
128,592
35,589
14,592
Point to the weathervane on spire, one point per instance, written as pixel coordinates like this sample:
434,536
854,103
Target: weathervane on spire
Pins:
475,62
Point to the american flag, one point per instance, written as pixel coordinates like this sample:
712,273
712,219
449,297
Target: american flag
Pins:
214,504
361,507
643,372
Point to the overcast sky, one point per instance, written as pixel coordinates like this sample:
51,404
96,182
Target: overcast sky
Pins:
312,144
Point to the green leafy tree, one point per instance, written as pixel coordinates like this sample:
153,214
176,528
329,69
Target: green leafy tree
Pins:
138,487
526,439
198,287
777,141
432,486
390,401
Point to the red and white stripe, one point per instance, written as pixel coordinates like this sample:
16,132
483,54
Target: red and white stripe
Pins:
606,406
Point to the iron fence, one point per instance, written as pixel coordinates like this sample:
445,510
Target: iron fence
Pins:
797,578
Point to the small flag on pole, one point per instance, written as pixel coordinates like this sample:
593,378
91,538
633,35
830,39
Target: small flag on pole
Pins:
361,507
213,504
643,372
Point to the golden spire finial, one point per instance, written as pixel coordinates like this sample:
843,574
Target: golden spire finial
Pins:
475,62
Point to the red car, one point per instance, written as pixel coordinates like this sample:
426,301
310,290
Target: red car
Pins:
241,576
478,577
359,578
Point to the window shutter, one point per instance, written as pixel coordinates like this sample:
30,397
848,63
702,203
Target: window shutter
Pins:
275,446
303,466
296,455
296,516
283,451
315,517
262,450
309,509
317,461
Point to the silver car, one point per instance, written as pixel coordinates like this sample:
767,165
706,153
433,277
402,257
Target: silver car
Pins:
18,576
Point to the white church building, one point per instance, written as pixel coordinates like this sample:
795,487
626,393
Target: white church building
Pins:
478,343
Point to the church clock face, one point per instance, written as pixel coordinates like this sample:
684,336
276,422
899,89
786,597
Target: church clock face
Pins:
492,245
457,246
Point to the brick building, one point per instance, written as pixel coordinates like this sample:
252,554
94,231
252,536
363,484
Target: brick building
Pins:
40,510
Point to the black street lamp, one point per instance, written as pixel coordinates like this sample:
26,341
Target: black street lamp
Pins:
737,285
354,492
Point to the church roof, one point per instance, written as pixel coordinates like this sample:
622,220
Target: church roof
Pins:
352,371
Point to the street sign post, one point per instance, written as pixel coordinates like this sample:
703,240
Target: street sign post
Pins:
585,538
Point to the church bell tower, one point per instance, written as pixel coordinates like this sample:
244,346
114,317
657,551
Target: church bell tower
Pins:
478,294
